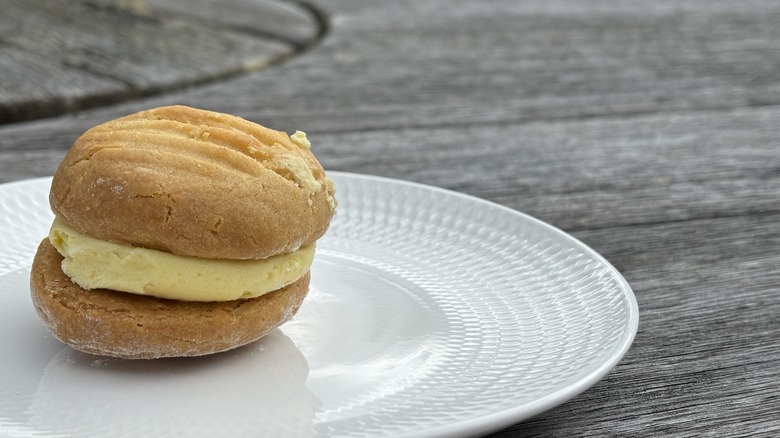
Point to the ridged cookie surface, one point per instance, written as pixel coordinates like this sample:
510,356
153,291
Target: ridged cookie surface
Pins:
196,183
131,326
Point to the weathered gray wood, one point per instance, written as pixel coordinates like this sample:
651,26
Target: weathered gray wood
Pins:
291,22
589,174
90,52
706,357
646,129
33,86
426,64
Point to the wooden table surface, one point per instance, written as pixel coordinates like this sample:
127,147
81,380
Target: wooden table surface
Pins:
649,130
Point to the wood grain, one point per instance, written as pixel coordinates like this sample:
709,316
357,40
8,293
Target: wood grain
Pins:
63,55
705,359
648,130
415,64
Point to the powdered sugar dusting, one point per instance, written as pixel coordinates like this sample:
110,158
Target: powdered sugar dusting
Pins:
100,363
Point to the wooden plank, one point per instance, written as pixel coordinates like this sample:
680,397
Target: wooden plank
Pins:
137,53
429,64
574,174
29,89
387,66
588,174
144,52
705,360
295,23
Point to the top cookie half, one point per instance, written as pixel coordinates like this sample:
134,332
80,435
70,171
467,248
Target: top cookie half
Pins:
194,183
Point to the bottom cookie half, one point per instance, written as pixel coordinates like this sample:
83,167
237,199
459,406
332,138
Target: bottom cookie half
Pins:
119,324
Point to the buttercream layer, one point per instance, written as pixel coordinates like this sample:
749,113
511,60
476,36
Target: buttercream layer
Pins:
97,264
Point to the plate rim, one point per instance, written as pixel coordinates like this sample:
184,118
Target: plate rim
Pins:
498,420
507,417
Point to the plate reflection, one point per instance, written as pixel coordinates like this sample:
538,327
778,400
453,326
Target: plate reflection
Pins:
259,387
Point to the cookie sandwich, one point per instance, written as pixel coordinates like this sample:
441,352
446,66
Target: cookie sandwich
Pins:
179,232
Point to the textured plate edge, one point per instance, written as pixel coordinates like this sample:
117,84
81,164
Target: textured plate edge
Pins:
508,417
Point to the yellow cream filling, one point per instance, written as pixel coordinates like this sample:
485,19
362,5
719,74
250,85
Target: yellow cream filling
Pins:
93,263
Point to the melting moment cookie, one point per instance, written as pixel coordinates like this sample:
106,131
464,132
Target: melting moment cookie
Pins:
179,232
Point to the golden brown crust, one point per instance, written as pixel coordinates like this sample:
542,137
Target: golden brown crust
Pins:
119,324
193,182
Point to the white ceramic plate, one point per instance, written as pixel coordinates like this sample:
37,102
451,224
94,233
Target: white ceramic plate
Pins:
431,313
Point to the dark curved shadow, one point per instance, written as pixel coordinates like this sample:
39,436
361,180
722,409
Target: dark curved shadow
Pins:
59,68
